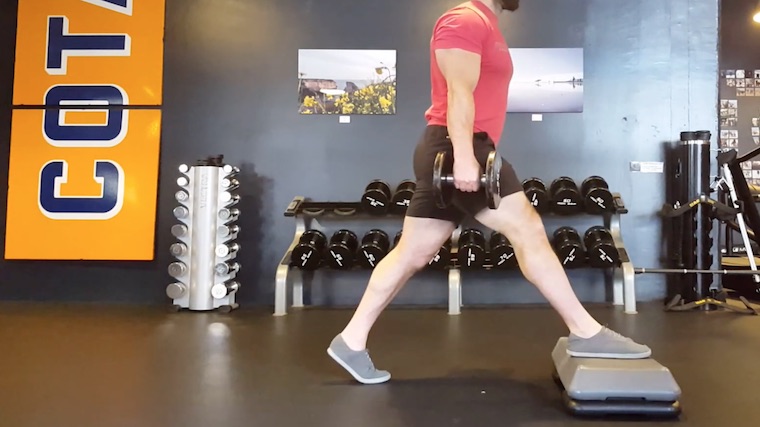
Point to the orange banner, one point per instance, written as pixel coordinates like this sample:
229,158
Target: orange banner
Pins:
83,203
83,174
102,42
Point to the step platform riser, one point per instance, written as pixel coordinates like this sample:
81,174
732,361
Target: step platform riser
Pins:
615,386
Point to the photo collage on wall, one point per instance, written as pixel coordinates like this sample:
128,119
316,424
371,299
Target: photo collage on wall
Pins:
740,116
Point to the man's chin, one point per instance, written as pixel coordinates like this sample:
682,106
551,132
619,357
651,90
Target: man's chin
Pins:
510,5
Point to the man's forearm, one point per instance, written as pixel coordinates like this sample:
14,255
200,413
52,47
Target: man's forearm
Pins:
460,121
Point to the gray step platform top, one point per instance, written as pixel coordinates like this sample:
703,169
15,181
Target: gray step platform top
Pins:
603,379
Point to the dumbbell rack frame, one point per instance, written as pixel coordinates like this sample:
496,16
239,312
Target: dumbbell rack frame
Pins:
305,213
623,276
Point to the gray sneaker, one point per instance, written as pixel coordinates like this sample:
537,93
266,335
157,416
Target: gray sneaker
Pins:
607,344
357,363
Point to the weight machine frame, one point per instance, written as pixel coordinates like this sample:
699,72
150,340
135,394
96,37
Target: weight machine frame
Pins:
735,202
290,280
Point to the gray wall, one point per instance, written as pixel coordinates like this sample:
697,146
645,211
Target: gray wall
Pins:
231,70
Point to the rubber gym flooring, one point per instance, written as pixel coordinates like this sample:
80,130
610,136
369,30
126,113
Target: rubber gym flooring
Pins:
114,366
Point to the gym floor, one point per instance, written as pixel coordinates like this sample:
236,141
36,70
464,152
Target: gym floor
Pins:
113,366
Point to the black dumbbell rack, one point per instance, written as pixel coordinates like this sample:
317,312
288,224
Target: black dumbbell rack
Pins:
620,278
306,213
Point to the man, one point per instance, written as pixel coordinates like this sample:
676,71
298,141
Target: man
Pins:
470,70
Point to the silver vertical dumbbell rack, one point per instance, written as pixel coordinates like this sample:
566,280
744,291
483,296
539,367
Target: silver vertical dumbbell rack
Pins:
205,268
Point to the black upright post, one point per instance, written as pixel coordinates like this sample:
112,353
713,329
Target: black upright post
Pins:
673,230
697,225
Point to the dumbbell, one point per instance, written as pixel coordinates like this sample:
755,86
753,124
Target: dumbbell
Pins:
566,199
472,249
342,249
502,252
376,198
597,198
307,255
178,249
374,247
443,180
535,190
402,197
568,247
442,259
179,230
600,247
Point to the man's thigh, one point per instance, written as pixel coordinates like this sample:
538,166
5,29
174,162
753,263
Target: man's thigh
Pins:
424,200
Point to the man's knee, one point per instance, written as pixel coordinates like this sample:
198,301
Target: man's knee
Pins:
417,255
530,230
517,219
421,239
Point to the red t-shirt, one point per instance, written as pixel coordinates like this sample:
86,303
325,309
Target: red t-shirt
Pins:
473,27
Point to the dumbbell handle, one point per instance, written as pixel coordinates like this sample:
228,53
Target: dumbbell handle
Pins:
450,178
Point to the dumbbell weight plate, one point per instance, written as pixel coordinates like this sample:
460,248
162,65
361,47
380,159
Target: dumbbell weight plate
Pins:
443,190
566,196
373,249
442,258
567,245
342,249
597,196
472,249
600,247
376,199
535,191
307,255
403,197
443,180
493,180
471,256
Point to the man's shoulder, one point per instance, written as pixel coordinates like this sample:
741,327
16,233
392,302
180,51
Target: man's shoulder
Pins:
462,12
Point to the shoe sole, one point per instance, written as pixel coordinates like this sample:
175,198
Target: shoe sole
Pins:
609,355
353,373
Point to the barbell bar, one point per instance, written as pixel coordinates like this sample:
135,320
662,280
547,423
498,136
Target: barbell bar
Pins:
693,271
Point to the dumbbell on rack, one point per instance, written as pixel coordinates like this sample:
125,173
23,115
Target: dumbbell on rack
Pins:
442,259
597,198
535,191
342,250
471,251
402,197
502,253
600,247
307,255
566,199
568,247
376,199
374,247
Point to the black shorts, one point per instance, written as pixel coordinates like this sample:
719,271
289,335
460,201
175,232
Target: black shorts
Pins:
423,203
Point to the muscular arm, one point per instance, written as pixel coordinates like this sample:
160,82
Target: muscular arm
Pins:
461,69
